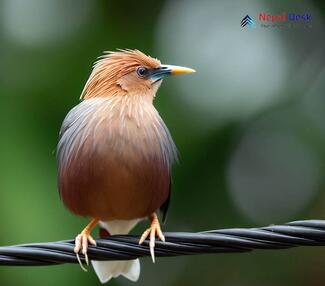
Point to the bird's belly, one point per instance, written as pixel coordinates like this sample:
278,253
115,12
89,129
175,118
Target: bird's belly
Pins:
116,192
113,174
112,188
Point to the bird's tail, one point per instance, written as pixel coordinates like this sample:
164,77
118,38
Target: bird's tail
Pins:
106,270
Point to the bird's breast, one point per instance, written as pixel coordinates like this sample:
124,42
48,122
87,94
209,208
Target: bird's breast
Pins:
114,157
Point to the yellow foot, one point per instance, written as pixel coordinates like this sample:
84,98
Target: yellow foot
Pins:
154,230
81,243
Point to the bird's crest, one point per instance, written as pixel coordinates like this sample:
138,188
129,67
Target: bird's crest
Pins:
111,66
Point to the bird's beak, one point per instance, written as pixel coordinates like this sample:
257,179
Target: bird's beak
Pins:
165,70
174,70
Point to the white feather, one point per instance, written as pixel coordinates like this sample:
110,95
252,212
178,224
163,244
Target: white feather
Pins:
106,270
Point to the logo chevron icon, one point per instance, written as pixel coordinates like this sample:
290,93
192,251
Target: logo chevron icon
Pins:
247,21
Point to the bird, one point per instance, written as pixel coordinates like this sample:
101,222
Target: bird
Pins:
115,155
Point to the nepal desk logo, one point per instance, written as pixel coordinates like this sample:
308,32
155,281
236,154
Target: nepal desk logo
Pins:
247,21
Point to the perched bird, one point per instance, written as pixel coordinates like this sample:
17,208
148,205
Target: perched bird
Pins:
115,154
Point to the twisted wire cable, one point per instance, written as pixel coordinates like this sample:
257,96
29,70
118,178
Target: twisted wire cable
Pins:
125,247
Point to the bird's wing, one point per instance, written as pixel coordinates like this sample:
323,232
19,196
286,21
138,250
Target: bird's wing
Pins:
165,206
60,150
67,122
70,126
74,121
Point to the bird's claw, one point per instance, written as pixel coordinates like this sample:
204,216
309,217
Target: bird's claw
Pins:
154,230
81,243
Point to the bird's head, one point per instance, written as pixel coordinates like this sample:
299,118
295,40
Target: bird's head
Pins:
127,72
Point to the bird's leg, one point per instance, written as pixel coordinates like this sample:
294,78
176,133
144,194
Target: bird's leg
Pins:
154,230
81,242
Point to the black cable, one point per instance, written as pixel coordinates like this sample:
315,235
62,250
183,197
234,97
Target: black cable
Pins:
124,247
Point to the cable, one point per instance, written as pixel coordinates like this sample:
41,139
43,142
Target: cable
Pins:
125,247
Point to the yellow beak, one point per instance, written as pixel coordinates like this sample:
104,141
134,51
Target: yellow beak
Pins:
165,70
175,70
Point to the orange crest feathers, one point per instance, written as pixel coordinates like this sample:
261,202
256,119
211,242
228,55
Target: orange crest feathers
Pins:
110,67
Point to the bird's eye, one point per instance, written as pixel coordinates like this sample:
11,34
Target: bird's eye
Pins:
142,71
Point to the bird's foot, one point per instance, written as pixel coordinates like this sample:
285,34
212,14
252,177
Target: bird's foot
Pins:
81,243
154,230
